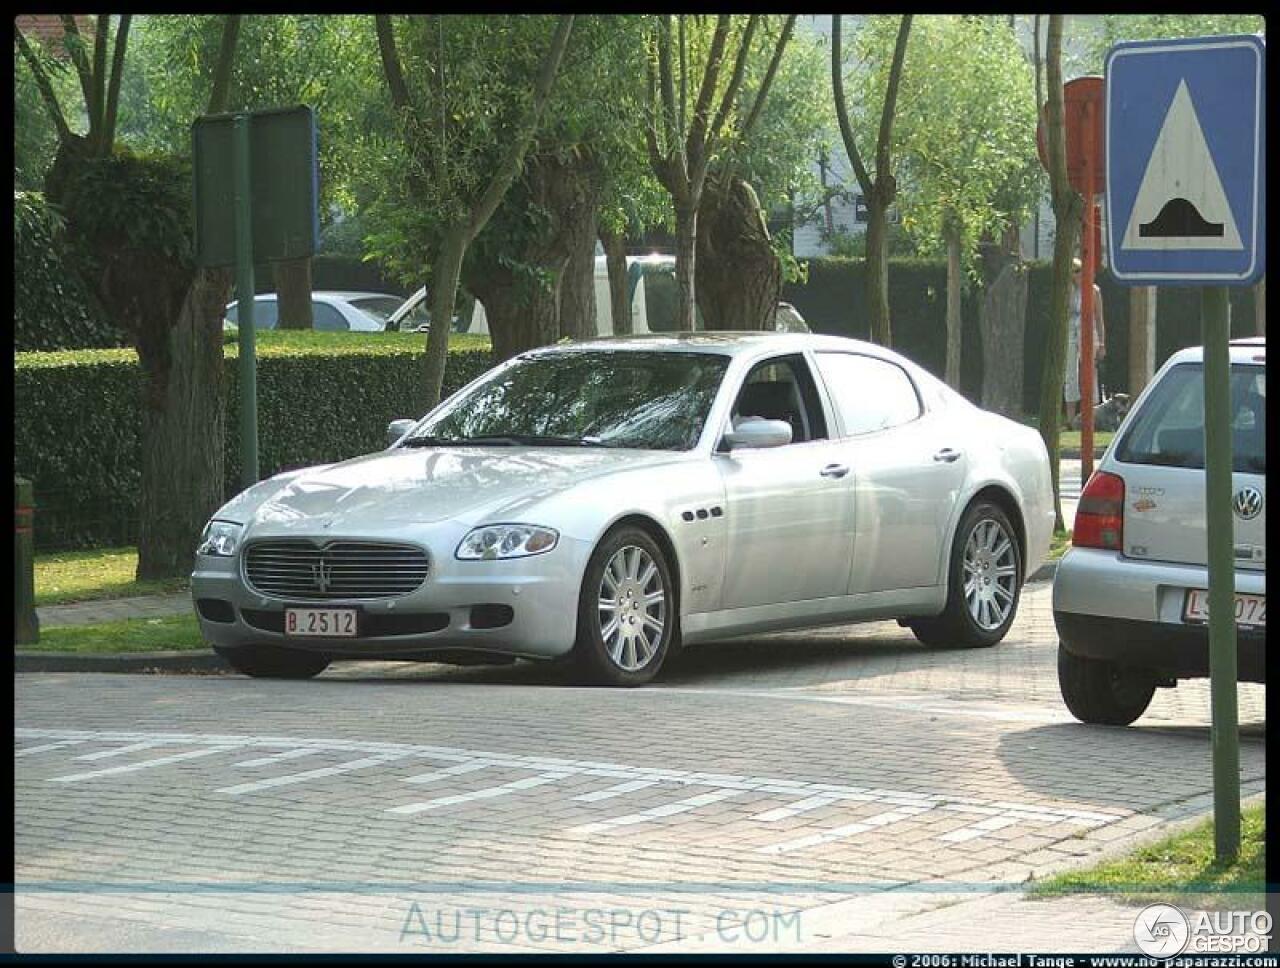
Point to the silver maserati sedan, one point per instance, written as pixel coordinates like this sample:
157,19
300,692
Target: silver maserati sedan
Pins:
609,502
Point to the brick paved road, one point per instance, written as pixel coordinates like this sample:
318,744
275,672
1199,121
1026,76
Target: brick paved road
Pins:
757,792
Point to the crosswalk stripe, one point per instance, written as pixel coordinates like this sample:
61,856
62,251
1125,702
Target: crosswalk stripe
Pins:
848,830
292,778
615,791
654,813
144,765
488,793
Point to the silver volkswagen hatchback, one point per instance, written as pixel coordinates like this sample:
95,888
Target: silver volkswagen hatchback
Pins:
1130,597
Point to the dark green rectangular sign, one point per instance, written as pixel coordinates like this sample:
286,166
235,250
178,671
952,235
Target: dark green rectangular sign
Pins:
285,183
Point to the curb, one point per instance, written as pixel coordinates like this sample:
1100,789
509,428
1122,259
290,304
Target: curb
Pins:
195,662
1045,572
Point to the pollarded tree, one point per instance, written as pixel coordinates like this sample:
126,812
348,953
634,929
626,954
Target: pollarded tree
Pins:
696,71
468,93
130,216
878,186
965,139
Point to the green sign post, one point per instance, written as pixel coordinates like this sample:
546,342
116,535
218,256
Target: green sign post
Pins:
256,193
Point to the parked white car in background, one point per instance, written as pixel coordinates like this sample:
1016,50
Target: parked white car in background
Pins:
1130,597
337,311
611,500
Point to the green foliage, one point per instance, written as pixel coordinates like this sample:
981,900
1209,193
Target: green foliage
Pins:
34,138
964,130
318,401
51,310
1151,26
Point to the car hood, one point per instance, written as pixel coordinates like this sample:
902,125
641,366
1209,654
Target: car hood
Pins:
383,491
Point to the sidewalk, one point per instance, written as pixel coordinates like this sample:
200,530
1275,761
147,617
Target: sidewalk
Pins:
114,609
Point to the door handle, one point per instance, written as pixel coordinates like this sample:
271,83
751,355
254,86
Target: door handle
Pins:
948,454
835,470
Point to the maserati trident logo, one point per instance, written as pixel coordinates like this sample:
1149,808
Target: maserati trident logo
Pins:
1247,503
321,574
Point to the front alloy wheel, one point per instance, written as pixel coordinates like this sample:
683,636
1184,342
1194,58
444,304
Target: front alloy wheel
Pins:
626,615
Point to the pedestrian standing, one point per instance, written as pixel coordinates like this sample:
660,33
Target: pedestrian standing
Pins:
1073,377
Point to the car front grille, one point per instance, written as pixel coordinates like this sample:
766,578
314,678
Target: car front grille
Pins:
344,570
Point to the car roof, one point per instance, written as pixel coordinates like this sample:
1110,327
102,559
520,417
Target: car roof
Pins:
1251,349
724,342
327,295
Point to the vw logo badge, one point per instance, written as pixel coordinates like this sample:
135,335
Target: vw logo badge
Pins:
1247,503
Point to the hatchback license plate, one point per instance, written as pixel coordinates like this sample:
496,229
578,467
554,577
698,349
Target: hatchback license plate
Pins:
323,622
1251,610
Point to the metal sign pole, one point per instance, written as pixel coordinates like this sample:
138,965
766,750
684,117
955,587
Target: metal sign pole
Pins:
1214,319
1090,257
244,294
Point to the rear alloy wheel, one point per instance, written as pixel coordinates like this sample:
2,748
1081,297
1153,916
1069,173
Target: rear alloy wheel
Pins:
983,586
273,662
1101,692
627,617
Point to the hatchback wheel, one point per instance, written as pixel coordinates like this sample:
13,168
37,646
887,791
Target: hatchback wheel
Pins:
273,662
983,586
627,616
1101,692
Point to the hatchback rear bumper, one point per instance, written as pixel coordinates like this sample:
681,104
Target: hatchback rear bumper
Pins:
1171,651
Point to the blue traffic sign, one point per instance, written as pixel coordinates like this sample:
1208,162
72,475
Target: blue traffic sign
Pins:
1186,154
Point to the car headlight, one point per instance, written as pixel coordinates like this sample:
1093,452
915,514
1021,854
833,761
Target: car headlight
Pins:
220,538
506,541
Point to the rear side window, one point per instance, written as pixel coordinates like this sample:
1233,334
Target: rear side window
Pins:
1169,429
870,394
326,318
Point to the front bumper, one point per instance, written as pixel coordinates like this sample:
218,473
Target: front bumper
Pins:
441,615
1107,606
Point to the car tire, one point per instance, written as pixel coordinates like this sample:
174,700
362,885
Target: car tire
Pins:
1101,692
273,662
626,643
958,627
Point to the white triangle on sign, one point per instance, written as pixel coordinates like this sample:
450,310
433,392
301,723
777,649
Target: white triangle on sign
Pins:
1181,203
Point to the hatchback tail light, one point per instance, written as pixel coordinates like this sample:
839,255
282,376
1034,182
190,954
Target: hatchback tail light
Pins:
1100,513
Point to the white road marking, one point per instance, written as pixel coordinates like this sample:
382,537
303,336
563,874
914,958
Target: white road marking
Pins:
45,747
802,806
615,791
848,830
978,829
655,813
449,771
145,744
292,778
488,793
144,765
279,757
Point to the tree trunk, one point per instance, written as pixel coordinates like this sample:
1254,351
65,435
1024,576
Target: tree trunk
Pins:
953,308
1142,337
445,272
615,256
739,276
521,316
1002,323
293,292
878,267
578,192
1067,208
1260,307
686,259
183,430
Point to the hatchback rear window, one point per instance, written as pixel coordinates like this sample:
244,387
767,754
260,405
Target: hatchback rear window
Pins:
1169,429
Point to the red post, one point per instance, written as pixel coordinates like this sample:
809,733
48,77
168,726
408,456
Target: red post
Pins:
1089,259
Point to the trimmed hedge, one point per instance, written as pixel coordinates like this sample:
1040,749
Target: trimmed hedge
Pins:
833,301
78,418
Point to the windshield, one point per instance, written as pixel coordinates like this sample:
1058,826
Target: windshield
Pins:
1170,428
618,398
379,307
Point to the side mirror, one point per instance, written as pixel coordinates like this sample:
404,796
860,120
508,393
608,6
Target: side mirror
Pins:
757,432
397,429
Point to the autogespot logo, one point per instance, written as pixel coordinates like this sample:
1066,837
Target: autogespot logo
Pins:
1161,931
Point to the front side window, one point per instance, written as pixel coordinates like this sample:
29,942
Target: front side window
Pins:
868,393
782,388
653,401
1169,429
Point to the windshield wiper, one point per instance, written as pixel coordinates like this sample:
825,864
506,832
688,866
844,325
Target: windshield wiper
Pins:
536,440
426,440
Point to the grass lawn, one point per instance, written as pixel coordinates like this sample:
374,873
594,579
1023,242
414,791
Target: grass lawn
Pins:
126,635
1180,870
1059,544
1070,439
86,576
